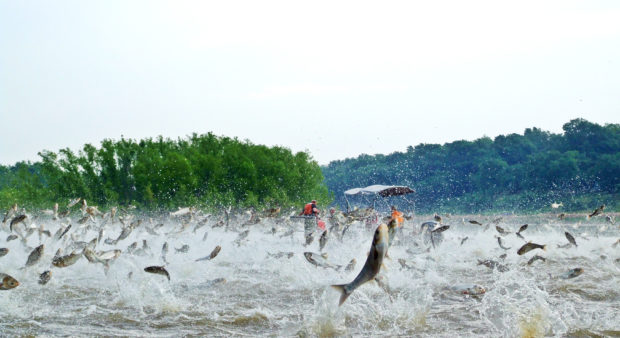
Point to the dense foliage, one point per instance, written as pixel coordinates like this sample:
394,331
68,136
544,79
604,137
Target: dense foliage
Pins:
580,168
203,170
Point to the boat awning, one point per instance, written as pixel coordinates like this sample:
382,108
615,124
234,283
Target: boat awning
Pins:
381,190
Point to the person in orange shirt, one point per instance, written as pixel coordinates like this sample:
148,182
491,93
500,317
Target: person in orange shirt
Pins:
398,216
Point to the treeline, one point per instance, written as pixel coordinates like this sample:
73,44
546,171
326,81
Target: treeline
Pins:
580,168
202,170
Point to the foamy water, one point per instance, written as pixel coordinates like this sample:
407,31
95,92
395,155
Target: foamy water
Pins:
263,295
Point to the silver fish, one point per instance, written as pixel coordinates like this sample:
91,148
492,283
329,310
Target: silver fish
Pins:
212,255
491,264
9,213
351,265
469,289
535,258
403,264
309,238
572,273
183,249
74,202
501,230
45,277
371,268
501,245
570,238
281,254
392,227
530,246
164,251
124,234
159,270
320,260
151,231
11,237
16,220
7,282
441,229
597,211
323,240
132,247
65,261
64,231
522,228
35,255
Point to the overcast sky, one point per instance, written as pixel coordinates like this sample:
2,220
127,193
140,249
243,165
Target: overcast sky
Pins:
336,78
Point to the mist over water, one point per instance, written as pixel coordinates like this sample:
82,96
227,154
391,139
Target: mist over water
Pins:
264,295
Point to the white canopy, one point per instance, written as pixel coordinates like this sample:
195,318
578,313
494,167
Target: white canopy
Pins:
382,190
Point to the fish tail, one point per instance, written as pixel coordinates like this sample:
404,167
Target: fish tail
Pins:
343,293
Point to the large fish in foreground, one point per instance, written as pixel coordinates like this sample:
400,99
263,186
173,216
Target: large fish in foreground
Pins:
371,268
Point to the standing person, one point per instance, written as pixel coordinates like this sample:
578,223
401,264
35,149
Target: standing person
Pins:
398,216
310,223
310,209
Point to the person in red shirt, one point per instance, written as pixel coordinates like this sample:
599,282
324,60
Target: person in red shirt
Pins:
398,216
310,209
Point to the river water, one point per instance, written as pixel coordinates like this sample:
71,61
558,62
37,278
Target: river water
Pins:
245,291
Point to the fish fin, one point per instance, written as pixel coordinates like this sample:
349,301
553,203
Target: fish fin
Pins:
343,293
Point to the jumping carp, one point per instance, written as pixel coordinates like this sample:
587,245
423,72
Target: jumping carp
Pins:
67,260
501,245
570,238
35,255
7,282
16,220
323,240
522,228
45,277
320,260
469,289
527,247
571,273
182,249
159,270
371,268
597,211
535,258
212,255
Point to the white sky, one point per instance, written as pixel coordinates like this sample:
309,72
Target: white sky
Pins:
336,78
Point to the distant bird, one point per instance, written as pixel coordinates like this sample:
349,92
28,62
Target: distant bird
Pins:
556,205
